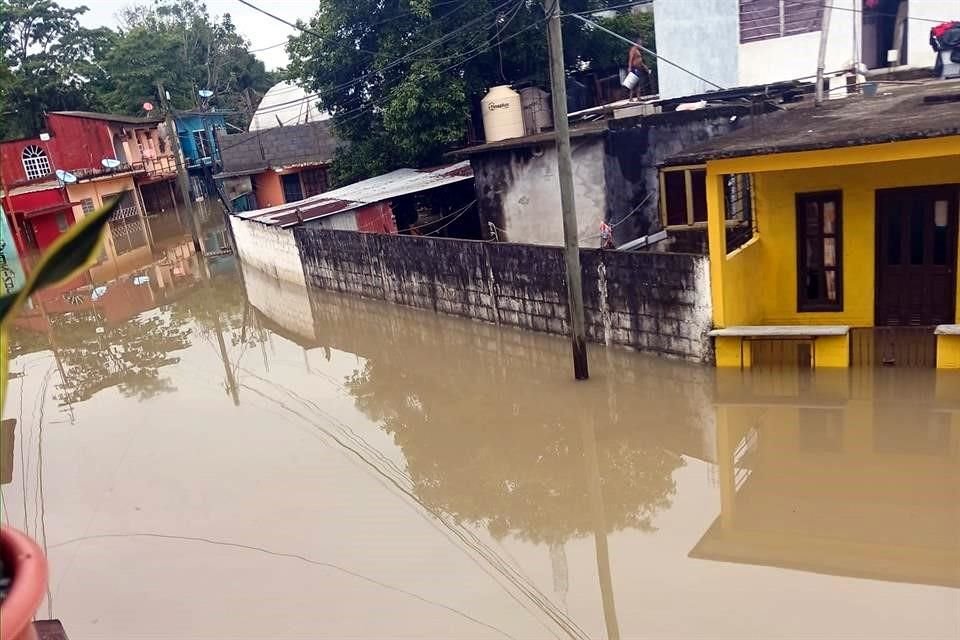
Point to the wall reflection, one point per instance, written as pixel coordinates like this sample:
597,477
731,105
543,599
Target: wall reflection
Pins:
848,473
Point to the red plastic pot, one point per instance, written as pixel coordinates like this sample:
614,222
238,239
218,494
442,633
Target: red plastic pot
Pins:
29,568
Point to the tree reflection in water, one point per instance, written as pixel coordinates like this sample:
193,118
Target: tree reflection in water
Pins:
128,356
512,458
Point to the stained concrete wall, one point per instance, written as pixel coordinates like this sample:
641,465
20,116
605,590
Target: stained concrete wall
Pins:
655,302
270,249
519,191
635,149
616,178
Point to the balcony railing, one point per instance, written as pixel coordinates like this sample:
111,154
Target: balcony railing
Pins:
152,167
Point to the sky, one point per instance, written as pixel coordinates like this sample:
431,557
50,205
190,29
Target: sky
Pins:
260,30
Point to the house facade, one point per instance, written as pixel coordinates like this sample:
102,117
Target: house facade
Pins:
272,167
197,132
105,155
755,42
833,231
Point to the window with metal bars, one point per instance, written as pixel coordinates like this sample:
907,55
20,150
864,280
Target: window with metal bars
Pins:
36,164
764,19
738,209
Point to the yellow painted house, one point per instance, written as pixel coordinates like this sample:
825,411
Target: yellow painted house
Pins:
832,230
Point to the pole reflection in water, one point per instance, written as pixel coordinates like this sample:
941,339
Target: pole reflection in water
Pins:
448,475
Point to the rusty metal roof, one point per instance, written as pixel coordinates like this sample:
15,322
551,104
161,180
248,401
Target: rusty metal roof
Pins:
397,183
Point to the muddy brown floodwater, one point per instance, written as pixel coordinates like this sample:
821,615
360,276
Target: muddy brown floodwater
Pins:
233,457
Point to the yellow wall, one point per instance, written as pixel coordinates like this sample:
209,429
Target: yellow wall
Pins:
97,190
110,266
758,284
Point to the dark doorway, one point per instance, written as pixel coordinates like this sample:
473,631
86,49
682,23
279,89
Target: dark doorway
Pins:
916,256
884,28
292,191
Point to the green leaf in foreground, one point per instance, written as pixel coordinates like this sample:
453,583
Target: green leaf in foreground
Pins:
73,251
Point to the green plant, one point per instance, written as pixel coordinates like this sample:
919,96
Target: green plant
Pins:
72,252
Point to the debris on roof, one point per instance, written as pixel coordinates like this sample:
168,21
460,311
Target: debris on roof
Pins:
898,112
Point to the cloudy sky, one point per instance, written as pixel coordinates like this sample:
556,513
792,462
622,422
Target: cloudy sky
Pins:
260,30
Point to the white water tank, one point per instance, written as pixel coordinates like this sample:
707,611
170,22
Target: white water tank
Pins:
502,114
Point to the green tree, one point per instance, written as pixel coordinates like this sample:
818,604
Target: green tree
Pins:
49,63
178,43
606,51
400,76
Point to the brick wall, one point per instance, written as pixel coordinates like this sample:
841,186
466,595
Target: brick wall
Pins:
658,302
270,249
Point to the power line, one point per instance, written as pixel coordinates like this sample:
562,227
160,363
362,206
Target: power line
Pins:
625,5
279,19
272,46
396,62
642,48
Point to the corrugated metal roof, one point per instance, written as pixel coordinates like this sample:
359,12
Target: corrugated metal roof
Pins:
34,187
397,183
110,117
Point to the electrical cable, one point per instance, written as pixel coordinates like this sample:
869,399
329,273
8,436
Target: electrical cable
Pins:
814,6
642,48
394,63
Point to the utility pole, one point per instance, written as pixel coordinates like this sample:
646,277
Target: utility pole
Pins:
182,180
822,52
567,204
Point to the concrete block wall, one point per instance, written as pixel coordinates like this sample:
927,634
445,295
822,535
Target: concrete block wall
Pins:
656,302
270,249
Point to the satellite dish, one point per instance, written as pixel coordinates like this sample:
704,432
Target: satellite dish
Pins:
148,106
110,163
205,93
65,176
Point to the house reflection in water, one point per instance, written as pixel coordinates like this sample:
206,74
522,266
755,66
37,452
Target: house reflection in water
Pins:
845,473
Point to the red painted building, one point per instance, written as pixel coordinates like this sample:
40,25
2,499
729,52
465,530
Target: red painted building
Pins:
38,204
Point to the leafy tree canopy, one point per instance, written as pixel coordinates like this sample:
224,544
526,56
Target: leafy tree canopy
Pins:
400,76
51,63
178,43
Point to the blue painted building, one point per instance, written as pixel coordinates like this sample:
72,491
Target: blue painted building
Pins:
196,132
198,140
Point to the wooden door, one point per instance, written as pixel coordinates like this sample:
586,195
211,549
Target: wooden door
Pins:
916,253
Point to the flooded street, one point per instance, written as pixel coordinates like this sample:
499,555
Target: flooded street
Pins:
226,455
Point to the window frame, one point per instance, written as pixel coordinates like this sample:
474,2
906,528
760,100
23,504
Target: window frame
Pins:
805,305
37,165
200,142
688,171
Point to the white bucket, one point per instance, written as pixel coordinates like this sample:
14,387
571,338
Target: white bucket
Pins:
631,81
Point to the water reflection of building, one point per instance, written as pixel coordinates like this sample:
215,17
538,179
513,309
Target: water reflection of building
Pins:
849,474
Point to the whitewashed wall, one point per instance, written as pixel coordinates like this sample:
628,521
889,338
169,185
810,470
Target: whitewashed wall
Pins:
270,249
778,59
531,197
700,35
919,53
